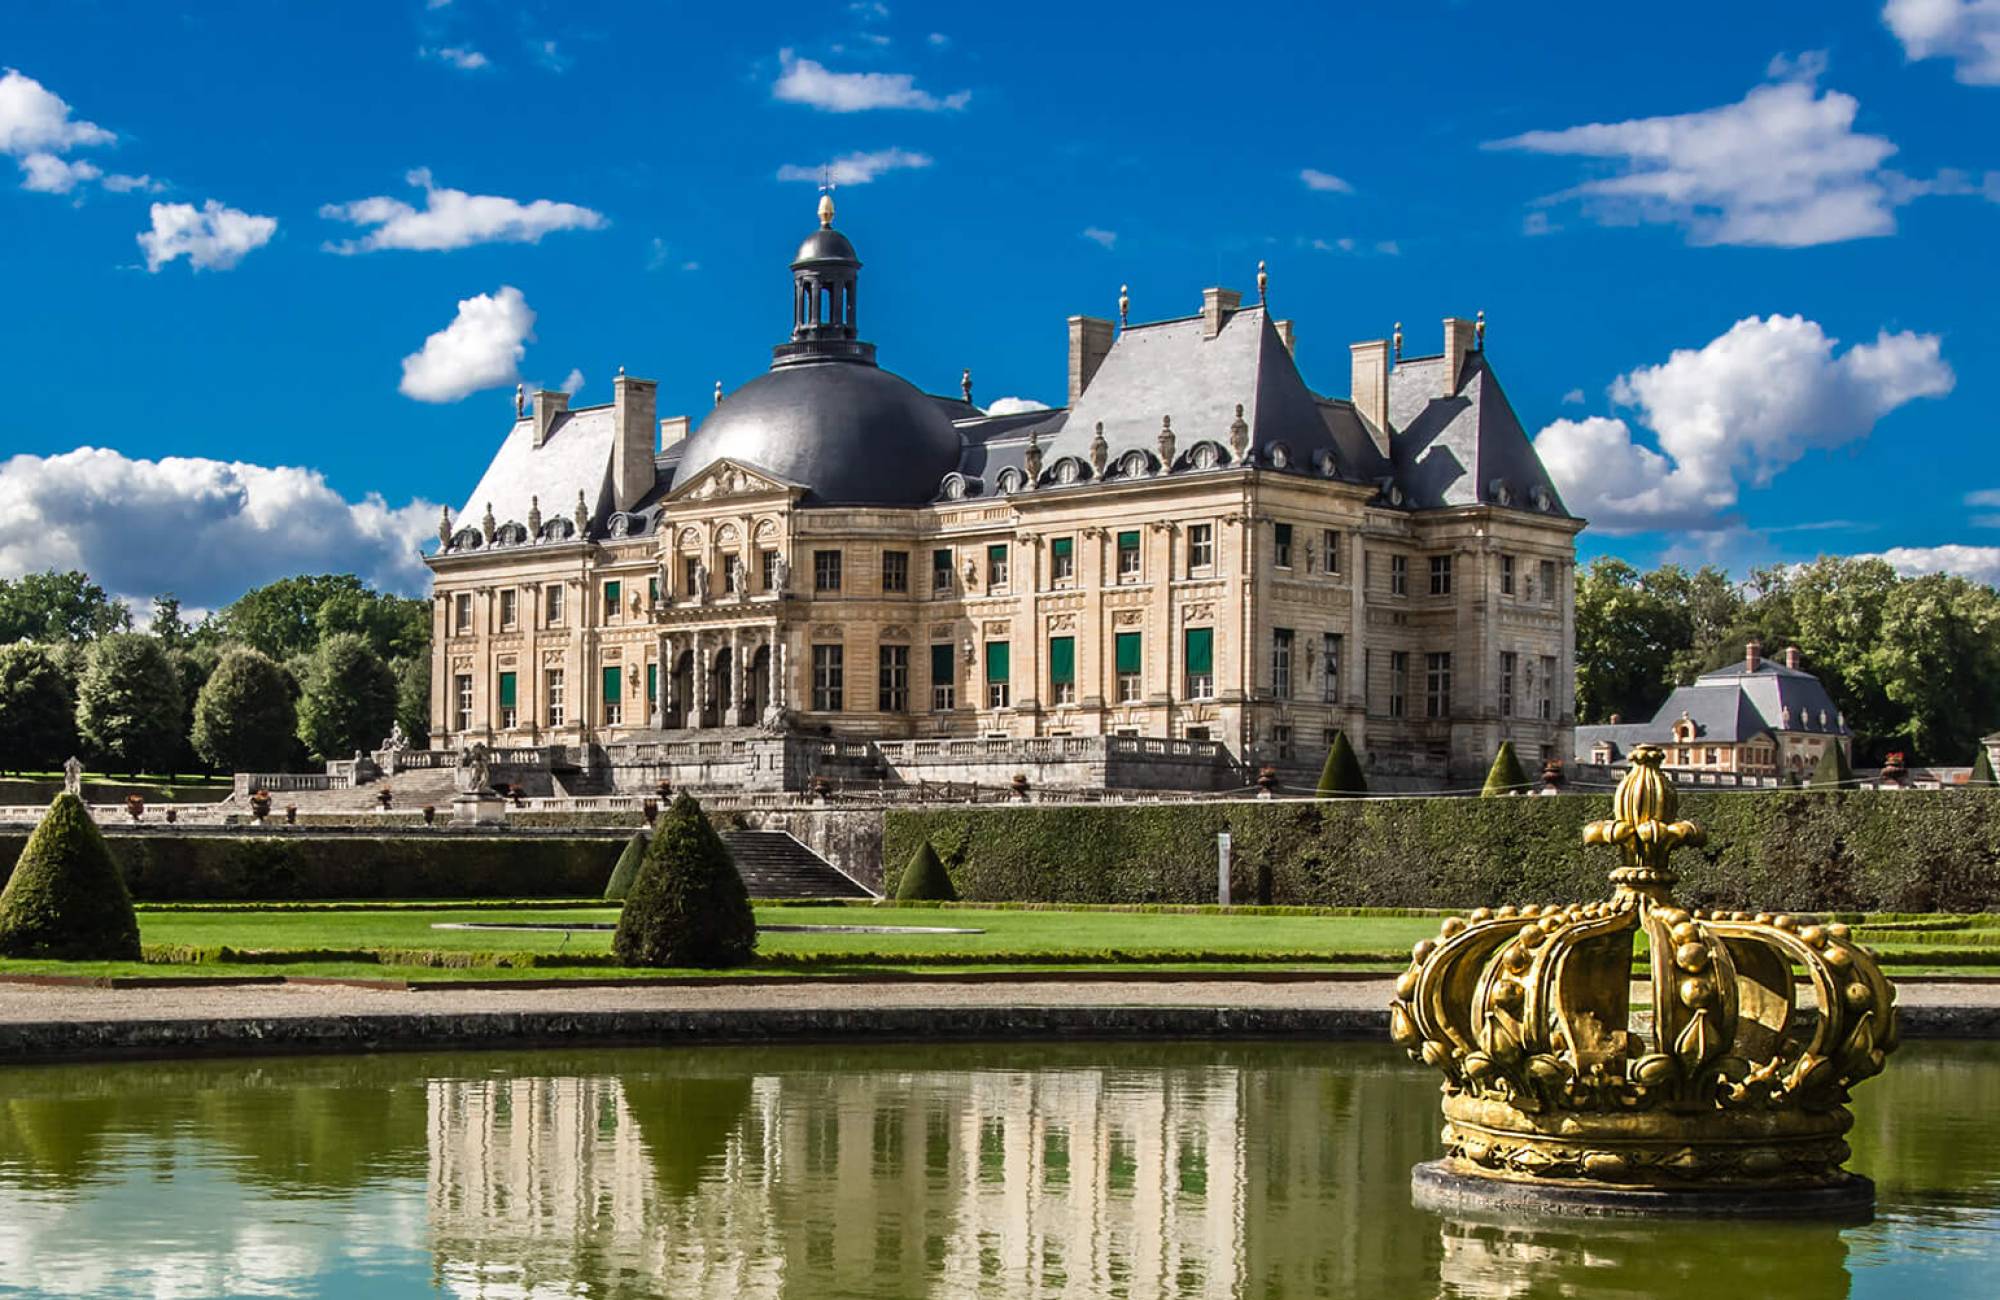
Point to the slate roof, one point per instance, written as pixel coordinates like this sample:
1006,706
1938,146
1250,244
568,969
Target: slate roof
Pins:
1728,706
1467,449
576,456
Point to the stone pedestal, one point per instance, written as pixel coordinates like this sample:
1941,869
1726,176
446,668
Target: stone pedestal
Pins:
478,808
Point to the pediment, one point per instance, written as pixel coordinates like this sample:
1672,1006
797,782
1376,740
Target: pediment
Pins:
733,478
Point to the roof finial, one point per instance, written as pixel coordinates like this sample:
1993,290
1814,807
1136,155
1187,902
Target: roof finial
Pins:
718,392
488,525
1479,332
1124,303
444,527
520,400
965,384
621,372
1397,340
582,516
535,516
826,207
1263,281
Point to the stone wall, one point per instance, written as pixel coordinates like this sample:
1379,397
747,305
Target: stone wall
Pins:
850,839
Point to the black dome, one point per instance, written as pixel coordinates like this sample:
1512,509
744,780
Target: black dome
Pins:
851,433
825,245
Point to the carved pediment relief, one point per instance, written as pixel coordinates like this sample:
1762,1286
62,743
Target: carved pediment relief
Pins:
728,478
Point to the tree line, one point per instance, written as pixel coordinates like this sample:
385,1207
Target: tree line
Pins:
299,670
1913,663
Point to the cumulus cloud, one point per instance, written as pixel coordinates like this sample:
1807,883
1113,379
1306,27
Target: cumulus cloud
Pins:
204,529
1325,182
119,183
453,219
481,348
1979,563
1101,237
464,58
1014,405
1782,167
47,174
1986,497
573,384
855,168
804,81
213,237
1739,409
33,119
1965,31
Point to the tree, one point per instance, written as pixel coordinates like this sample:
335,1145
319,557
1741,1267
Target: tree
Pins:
1982,769
244,718
1505,776
1936,664
688,907
925,878
128,703
54,606
626,869
1341,774
66,900
413,698
193,663
174,631
292,616
37,709
349,700
1627,634
1832,771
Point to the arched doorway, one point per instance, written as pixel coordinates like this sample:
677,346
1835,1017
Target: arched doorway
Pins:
719,698
680,690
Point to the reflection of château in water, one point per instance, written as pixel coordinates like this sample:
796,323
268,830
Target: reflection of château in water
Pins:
1197,1181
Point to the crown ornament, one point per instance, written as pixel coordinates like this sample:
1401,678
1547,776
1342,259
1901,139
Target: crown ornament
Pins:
1729,1091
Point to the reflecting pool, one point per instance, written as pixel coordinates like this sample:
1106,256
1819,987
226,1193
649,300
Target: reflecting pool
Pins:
1087,1170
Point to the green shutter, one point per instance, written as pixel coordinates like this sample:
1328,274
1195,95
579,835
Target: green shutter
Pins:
506,690
613,680
941,669
996,661
1128,652
941,559
1128,541
652,682
612,592
1062,547
997,554
1201,651
1062,660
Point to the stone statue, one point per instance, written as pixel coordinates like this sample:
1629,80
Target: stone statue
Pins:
474,768
735,577
73,776
775,721
398,741
781,573
700,592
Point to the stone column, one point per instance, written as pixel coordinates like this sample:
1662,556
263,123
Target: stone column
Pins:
780,692
699,704
664,697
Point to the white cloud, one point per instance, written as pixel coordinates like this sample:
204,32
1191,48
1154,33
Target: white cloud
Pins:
804,81
1986,497
1014,405
1782,167
454,219
938,40
1101,237
1574,397
204,529
461,57
1979,563
1739,409
1965,31
869,10
34,119
1325,182
573,384
551,58
855,168
212,238
47,174
119,183
1537,223
481,348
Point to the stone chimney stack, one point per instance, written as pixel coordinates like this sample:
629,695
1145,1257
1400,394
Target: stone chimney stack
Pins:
1217,306
1753,655
550,406
1090,340
1370,389
632,405
672,430
1792,657
1460,339
1286,336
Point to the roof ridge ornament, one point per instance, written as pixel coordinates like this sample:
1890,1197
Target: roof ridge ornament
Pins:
1479,331
1239,433
825,206
1396,342
1124,303
1263,282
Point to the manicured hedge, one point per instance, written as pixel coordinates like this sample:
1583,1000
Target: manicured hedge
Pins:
1910,851
163,867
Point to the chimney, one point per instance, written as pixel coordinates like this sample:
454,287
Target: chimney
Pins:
1090,340
1617,718
672,430
1459,339
1370,389
550,406
1217,306
1792,657
632,405
1753,655
1286,336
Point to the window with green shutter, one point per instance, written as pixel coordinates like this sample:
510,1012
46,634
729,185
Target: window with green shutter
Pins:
614,695
996,566
1198,649
998,679
507,691
944,683
1127,662
613,591
1062,668
941,569
1062,559
652,682
1128,556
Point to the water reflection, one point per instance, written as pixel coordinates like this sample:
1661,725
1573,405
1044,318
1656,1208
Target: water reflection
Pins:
1086,1170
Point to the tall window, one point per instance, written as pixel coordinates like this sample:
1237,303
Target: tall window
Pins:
462,694
1440,575
1506,575
461,613
1281,736
554,690
1437,685
1062,559
998,680
1545,707
895,571
1062,669
510,607
941,569
1546,578
944,678
829,672
510,707
614,596
1281,662
1126,647
614,695
1329,657
1399,681
691,575
1509,663
1399,575
1128,556
552,600
1198,650
1281,553
767,569
996,567
653,590
826,570
892,686
652,686
1201,547
1330,546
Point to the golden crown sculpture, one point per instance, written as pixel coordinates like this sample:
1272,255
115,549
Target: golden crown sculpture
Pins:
1527,1012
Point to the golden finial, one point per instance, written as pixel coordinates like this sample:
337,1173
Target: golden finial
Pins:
1263,281
1479,332
826,209
1397,341
1124,303
1642,826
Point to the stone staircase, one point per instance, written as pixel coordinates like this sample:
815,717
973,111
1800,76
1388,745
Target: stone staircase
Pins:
774,865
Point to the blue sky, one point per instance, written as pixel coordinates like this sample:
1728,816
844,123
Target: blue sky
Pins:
1749,308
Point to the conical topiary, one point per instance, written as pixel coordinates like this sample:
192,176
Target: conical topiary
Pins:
66,899
925,878
1505,776
1833,773
1982,769
688,906
1342,773
627,869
